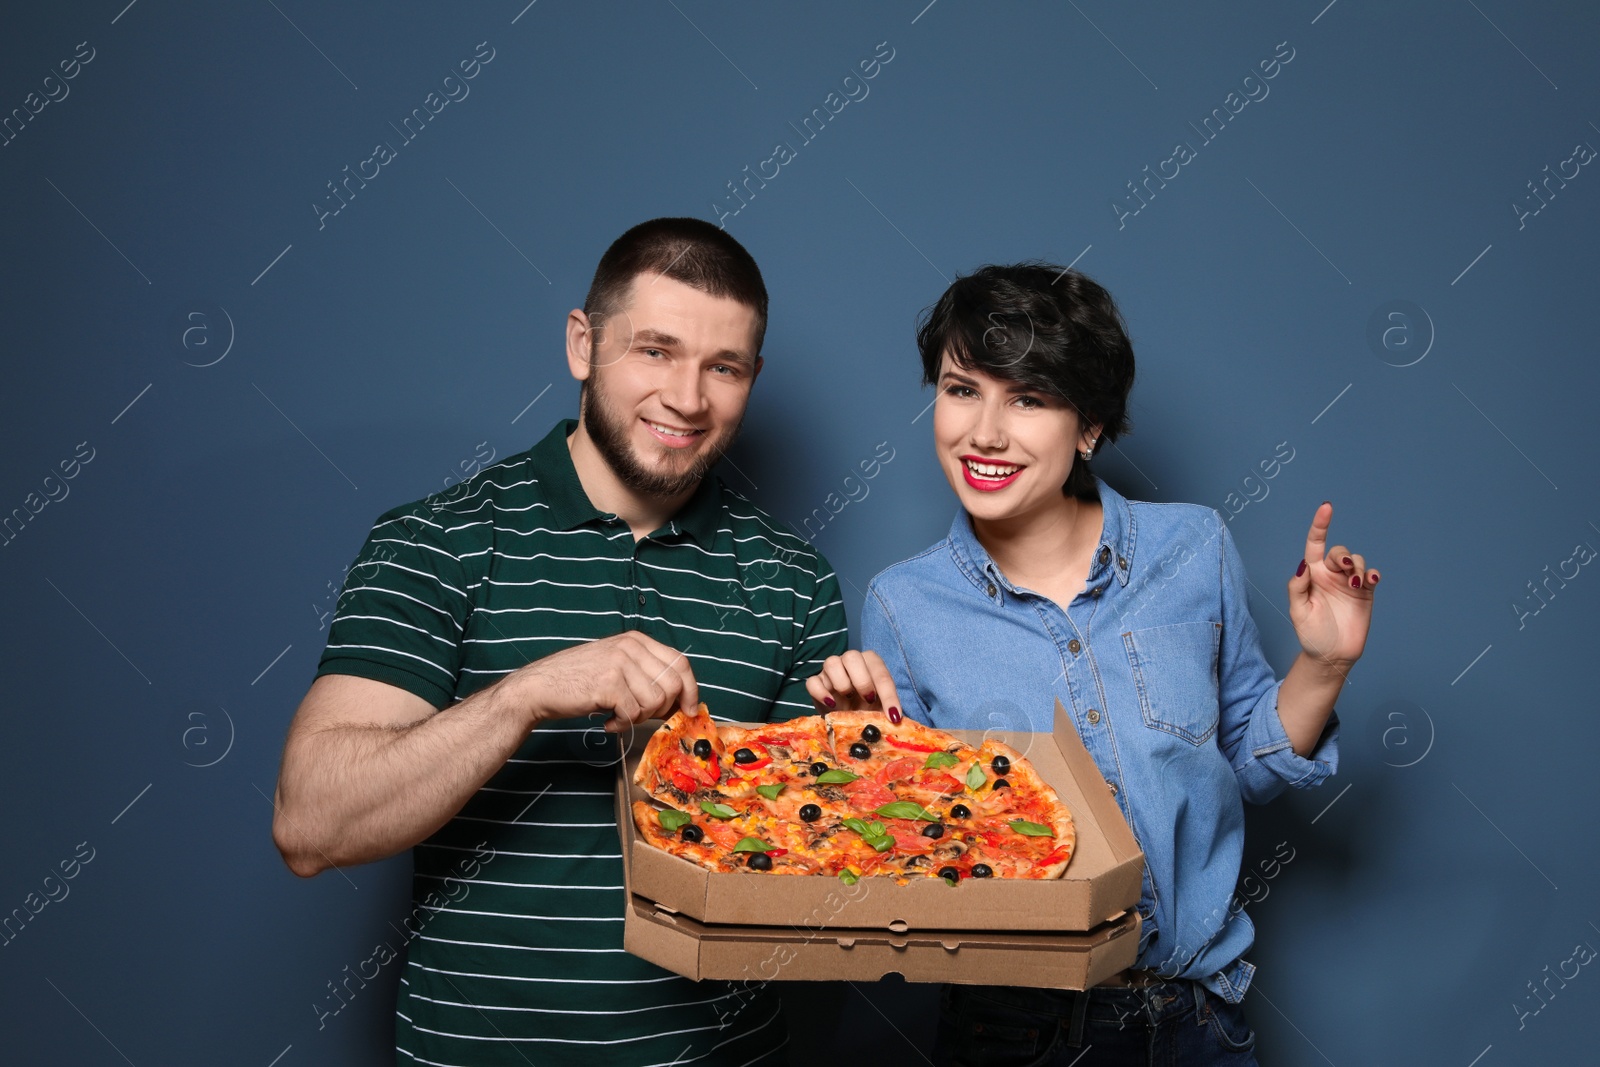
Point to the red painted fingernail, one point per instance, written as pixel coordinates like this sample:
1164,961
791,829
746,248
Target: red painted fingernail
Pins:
1373,578
830,702
1346,560
872,698
1298,571
894,715
1355,583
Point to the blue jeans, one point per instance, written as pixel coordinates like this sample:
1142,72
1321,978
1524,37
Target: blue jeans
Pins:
1173,1024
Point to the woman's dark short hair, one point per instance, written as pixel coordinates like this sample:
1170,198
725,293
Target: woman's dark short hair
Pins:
1044,327
689,250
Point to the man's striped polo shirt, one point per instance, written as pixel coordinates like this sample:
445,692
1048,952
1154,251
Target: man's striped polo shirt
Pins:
517,950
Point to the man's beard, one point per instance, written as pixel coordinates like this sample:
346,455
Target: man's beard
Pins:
609,432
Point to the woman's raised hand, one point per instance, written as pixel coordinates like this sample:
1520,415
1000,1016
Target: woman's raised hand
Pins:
1330,597
855,681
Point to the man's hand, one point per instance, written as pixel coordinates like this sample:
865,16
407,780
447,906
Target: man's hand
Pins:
630,675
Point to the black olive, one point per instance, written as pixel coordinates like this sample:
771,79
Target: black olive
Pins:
870,733
1000,764
950,874
860,751
810,813
702,748
744,755
760,861
1000,783
818,768
960,811
981,870
934,830
691,833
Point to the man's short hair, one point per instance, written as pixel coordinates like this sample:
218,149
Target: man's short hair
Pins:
1044,327
688,250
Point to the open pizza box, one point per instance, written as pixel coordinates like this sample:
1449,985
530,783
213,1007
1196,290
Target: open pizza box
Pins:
1068,933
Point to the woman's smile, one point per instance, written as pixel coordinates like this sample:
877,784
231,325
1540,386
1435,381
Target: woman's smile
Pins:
989,475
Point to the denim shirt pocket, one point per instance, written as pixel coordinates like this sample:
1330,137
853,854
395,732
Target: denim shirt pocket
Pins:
1175,672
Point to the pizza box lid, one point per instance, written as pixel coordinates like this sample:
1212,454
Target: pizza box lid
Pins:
1102,881
759,954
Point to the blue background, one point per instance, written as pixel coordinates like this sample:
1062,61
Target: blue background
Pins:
163,619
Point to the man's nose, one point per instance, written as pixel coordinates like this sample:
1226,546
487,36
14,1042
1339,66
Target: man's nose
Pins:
684,393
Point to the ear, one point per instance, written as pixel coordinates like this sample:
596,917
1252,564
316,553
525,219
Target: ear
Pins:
578,340
1090,437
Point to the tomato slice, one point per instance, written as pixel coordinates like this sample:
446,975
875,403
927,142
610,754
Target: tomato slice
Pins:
1055,857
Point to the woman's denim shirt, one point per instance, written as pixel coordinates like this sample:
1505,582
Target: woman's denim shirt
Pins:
1158,663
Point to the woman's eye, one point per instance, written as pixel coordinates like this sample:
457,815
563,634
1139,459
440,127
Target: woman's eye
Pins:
1029,402
958,390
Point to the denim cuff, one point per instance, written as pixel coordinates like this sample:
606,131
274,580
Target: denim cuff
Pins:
1231,982
1272,757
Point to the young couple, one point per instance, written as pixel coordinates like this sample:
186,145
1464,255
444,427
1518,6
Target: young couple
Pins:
605,573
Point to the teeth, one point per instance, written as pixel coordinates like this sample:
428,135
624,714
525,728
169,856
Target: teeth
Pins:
669,431
992,470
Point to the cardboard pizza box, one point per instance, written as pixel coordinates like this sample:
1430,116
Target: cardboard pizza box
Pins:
1100,884
757,954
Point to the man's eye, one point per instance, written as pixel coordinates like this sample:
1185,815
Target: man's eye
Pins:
654,352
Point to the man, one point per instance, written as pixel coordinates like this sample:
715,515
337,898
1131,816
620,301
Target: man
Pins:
484,633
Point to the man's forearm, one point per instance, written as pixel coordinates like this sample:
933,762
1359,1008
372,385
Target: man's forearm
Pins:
355,793
1306,699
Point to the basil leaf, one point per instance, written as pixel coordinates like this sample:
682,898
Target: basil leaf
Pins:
770,791
752,844
721,811
882,844
876,829
1032,829
836,776
941,759
976,777
672,819
859,826
848,877
906,809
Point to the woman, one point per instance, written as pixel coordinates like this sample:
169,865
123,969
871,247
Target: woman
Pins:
1132,614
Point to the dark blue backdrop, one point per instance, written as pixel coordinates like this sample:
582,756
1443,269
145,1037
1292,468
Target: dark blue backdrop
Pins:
1380,259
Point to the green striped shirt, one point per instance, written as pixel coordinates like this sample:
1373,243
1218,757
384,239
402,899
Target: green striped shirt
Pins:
513,950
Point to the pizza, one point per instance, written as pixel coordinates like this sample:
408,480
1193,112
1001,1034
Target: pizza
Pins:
848,794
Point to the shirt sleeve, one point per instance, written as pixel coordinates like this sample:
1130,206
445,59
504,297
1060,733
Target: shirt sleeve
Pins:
879,634
824,632
403,609
1250,731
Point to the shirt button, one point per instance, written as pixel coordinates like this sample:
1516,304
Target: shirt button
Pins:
1105,554
1095,591
1094,717
641,600
1074,647
1113,786
992,589
1122,563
